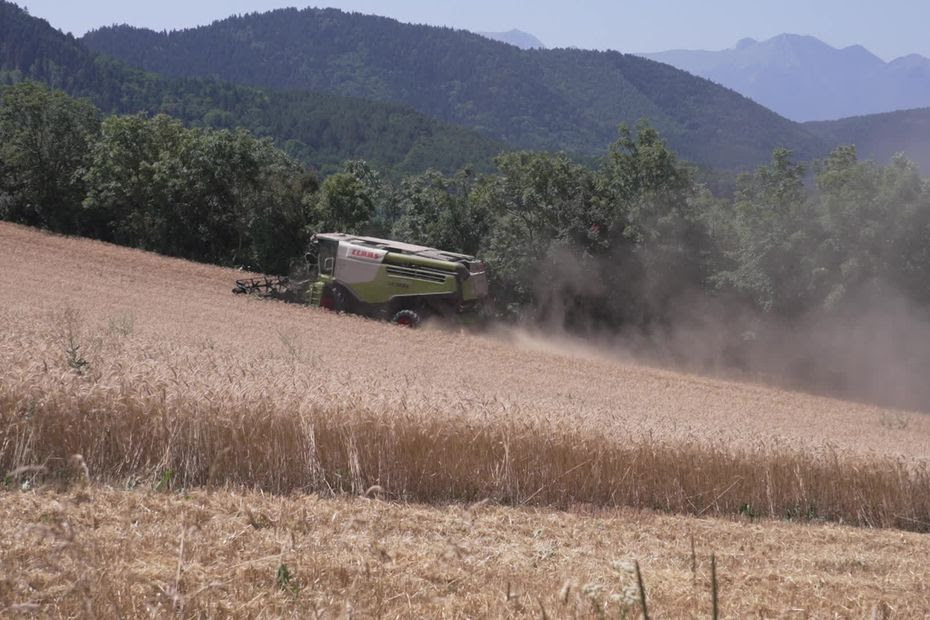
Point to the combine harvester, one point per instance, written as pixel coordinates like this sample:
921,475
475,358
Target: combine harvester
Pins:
383,279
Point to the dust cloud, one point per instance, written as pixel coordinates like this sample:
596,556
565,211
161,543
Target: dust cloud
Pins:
874,349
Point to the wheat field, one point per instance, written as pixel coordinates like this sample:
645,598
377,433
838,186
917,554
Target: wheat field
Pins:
111,553
174,392
176,323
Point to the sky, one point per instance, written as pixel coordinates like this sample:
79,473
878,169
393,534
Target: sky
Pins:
888,28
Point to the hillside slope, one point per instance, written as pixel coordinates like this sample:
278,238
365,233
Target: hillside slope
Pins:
508,377
881,136
321,129
540,99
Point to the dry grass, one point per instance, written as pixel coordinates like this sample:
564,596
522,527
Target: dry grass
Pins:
160,378
106,553
138,434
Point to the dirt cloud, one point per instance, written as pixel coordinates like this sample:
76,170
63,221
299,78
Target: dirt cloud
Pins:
874,348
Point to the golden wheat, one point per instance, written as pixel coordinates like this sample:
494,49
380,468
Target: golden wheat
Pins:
279,447
111,553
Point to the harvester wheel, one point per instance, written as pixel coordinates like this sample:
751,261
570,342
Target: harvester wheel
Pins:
335,299
340,299
406,318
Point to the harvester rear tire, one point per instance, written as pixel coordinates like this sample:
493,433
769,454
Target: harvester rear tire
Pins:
406,318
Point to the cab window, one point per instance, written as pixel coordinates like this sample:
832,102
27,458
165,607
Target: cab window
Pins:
327,257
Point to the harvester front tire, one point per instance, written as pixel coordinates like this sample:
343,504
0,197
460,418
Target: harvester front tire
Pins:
406,318
338,299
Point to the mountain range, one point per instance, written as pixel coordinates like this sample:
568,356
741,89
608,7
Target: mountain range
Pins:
328,86
804,79
561,99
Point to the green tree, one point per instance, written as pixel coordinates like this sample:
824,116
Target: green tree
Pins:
274,218
44,140
344,204
876,222
655,231
382,194
650,190
769,238
218,196
546,229
134,181
440,211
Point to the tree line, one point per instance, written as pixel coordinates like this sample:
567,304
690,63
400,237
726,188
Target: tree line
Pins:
617,242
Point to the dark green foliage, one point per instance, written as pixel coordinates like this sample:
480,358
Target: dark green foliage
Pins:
344,204
380,192
320,129
442,211
548,225
769,234
791,251
212,195
220,196
657,232
562,99
612,246
44,139
875,227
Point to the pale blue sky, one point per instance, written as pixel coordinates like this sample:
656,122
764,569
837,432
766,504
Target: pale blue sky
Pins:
889,28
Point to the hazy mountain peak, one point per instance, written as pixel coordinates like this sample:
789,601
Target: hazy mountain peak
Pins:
911,61
789,37
523,40
911,58
862,54
804,79
856,48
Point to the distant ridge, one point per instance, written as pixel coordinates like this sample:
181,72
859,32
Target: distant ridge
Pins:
518,38
882,136
804,79
559,99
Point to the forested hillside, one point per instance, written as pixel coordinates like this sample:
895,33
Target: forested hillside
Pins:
320,129
541,99
881,136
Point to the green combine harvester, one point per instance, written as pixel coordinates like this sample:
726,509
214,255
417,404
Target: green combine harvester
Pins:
383,279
